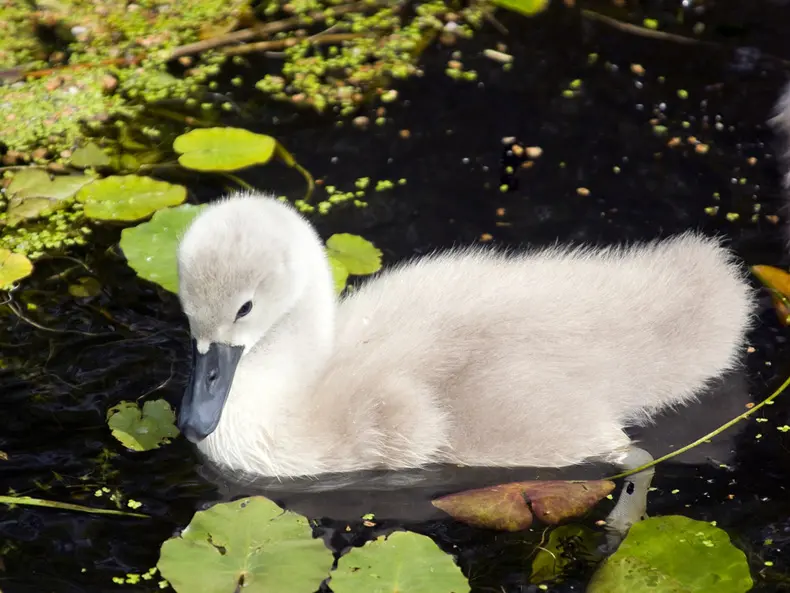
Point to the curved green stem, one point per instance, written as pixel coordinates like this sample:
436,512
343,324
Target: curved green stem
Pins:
239,181
767,401
289,160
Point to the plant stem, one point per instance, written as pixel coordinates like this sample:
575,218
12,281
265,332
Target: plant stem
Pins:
767,401
290,42
66,506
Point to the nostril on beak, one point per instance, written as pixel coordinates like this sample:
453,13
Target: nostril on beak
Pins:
212,376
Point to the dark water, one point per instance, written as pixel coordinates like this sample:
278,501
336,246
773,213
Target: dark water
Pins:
58,385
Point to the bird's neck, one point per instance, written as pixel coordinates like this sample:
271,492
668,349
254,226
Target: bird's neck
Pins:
259,431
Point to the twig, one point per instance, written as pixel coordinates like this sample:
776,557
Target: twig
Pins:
267,29
289,42
643,31
767,401
19,314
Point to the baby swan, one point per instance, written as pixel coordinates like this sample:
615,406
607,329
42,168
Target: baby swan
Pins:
472,356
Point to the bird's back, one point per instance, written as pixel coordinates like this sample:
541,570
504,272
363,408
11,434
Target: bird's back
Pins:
560,344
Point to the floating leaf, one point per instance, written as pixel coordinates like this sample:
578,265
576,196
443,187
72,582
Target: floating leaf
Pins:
128,197
358,255
525,7
13,267
89,155
674,554
142,430
248,545
150,248
778,282
509,507
223,149
403,562
339,274
85,287
566,543
34,194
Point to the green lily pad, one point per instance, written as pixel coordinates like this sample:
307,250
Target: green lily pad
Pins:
13,267
403,562
150,248
143,430
89,155
510,507
223,149
33,193
128,197
248,545
339,274
358,255
674,554
525,7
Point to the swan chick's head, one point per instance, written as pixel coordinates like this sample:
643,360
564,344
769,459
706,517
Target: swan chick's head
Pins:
238,275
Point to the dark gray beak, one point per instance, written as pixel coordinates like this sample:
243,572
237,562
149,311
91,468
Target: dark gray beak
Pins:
209,385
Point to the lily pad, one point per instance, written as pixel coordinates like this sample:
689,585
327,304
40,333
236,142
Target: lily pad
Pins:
510,507
248,545
33,193
128,197
339,274
13,267
778,283
150,248
89,155
403,562
358,255
143,430
223,149
525,7
674,554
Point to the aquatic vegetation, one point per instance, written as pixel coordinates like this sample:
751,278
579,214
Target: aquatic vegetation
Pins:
674,553
128,198
777,281
512,507
150,249
249,543
402,561
13,267
254,544
142,429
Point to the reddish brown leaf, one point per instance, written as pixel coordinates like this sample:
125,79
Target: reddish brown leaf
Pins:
510,507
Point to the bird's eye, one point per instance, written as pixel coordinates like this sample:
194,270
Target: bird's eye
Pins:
244,310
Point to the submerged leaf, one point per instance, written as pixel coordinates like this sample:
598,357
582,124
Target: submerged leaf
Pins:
525,7
142,430
89,155
403,562
223,149
778,283
358,255
150,248
509,507
566,543
248,545
34,194
85,287
674,554
128,197
13,267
